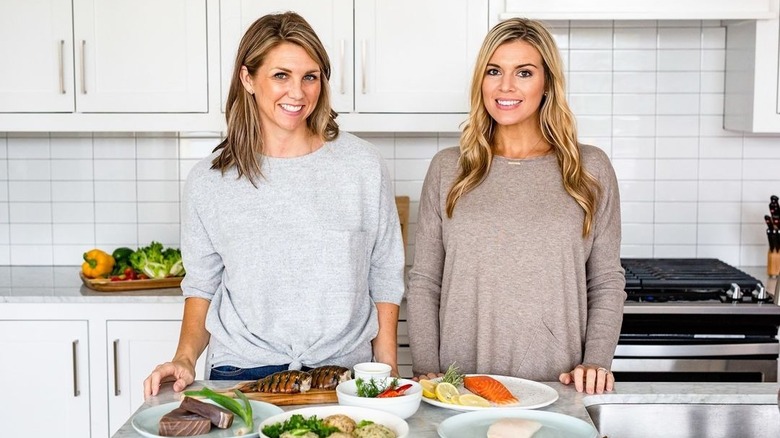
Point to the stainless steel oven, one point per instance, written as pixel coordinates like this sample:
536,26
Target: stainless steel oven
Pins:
683,322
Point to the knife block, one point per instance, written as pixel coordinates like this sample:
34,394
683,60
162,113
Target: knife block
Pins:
773,263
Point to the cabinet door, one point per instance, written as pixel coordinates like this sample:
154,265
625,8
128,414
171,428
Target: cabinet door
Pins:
134,349
44,371
135,56
36,49
413,56
330,19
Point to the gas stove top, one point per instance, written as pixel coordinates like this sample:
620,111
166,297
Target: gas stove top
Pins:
690,280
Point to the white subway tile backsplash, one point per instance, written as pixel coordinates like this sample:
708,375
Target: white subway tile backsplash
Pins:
675,213
712,82
637,212
677,147
591,104
115,170
157,147
678,82
167,234
637,169
719,213
675,251
711,104
73,191
31,234
158,212
116,212
71,148
29,170
72,234
113,191
157,170
411,170
636,38
117,235
727,253
712,126
677,126
634,82
674,234
761,147
754,234
637,234
30,212
590,60
36,191
590,38
31,255
633,126
640,191
683,104
720,191
720,147
713,60
33,147
594,126
713,38
633,104
762,170
633,147
678,169
634,60
676,191
679,38
640,251
679,60
114,147
197,147
72,212
72,170
718,169
416,147
590,82
69,254
158,191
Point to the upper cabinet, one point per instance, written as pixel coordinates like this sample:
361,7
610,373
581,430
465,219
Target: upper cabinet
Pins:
385,59
330,19
635,9
752,97
97,65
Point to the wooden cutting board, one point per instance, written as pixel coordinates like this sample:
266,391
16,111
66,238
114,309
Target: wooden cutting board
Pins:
106,285
314,396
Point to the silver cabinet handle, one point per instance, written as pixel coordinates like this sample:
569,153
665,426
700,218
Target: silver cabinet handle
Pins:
76,391
83,67
116,368
363,51
342,66
62,66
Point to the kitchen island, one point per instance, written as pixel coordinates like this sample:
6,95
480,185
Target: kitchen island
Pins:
423,424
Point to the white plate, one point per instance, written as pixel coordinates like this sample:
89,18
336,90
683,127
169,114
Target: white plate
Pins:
554,425
147,421
531,394
393,422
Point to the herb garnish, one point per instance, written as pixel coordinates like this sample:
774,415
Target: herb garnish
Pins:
372,388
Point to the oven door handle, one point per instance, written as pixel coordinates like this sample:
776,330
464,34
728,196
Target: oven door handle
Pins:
696,350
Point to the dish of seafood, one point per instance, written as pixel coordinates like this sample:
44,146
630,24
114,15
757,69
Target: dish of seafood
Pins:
515,423
147,422
293,387
482,391
347,422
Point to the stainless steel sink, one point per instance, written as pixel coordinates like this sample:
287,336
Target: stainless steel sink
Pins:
681,419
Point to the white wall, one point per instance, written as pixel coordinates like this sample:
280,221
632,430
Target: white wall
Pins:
651,97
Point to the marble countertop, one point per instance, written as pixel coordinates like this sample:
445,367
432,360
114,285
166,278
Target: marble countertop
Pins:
61,284
423,424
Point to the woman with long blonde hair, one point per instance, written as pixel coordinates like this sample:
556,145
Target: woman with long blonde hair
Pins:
517,252
277,277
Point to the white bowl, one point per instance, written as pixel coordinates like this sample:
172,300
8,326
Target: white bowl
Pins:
404,405
393,422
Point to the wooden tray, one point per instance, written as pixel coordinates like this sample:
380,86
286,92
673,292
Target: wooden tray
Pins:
311,397
106,285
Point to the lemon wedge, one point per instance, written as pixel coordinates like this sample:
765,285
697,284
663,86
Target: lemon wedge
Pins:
473,400
447,393
429,388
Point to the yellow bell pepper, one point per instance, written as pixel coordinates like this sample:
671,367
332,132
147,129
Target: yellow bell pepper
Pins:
97,263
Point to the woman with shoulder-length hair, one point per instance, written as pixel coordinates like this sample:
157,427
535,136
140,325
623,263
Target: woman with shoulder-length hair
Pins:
517,252
290,234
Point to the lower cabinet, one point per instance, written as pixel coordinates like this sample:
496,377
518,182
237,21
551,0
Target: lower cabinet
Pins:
134,349
44,374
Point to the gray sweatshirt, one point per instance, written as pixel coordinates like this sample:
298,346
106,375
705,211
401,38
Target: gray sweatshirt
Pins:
293,267
508,285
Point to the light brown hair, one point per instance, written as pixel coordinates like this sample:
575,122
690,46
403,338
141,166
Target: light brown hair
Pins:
243,145
555,118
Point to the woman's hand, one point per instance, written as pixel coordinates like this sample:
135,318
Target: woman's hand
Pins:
428,376
181,373
589,378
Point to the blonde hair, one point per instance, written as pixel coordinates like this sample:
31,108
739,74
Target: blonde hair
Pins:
555,118
243,145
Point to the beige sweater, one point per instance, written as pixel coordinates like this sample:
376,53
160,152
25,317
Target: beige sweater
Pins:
508,285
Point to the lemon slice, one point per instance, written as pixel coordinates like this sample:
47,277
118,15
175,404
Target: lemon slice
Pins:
429,388
473,400
447,393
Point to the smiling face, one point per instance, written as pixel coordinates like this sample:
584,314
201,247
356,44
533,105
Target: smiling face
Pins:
513,85
286,88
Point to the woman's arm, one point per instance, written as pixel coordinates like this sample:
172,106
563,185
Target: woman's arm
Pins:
386,342
193,339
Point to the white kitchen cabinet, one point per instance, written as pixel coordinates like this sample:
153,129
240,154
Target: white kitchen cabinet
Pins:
395,59
330,19
416,56
36,48
752,96
64,59
634,10
45,371
135,348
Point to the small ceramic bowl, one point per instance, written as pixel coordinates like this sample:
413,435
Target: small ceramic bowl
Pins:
372,370
403,406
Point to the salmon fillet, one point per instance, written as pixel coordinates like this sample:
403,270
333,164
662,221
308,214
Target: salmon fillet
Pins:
490,389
